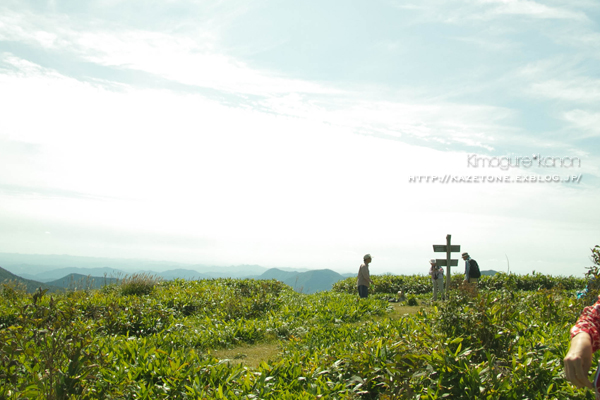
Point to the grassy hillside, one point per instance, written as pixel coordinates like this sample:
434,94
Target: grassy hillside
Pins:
182,274
158,340
30,285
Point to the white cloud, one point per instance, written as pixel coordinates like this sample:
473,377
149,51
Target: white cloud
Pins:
585,122
476,11
34,86
587,40
491,43
452,123
298,167
532,9
563,78
188,59
188,164
577,90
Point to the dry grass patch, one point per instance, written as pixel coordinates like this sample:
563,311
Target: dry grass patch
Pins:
400,310
250,356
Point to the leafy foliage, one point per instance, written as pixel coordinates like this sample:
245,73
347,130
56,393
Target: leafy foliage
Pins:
592,289
101,344
412,301
421,284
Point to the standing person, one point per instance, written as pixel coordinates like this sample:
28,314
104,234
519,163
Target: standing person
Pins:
585,340
437,278
472,273
364,277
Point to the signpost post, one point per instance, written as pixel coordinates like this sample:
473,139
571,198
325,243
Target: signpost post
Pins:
448,262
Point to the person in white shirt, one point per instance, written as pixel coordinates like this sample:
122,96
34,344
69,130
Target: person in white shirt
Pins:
364,277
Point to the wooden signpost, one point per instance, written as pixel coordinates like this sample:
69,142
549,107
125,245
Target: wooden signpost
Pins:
448,262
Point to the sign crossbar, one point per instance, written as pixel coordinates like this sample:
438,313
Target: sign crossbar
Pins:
448,262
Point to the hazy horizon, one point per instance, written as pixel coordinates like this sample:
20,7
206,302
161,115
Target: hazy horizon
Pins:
136,265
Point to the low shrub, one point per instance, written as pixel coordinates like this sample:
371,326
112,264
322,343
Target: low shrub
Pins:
421,284
139,284
592,288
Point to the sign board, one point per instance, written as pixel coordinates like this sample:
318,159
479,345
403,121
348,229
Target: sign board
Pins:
441,248
443,262
447,248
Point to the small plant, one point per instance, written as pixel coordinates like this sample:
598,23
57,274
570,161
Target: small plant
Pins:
412,301
592,276
85,284
12,290
37,296
139,284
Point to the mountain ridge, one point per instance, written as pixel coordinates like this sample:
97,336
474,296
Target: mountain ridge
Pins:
312,281
30,285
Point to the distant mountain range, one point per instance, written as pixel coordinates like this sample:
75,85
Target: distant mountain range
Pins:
305,282
489,272
58,272
38,263
30,285
80,282
62,271
50,267
246,271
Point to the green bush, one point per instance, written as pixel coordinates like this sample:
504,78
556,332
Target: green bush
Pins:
592,287
412,301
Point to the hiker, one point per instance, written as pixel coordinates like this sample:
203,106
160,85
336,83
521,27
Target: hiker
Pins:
364,278
401,297
472,272
437,279
585,340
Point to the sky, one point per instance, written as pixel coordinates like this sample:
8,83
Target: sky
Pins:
302,134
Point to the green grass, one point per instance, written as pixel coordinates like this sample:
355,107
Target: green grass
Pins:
243,339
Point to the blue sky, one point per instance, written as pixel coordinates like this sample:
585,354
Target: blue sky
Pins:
286,133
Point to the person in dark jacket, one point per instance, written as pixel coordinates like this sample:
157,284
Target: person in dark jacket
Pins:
471,269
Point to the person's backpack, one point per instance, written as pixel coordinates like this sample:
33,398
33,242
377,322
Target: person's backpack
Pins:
474,269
